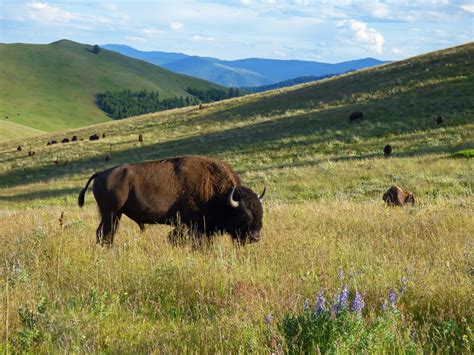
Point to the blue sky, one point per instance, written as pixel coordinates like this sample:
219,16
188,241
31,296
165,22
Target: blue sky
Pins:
328,31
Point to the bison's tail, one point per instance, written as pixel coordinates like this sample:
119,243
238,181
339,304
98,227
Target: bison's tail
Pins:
80,200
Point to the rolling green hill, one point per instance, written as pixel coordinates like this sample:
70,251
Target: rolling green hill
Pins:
52,87
323,217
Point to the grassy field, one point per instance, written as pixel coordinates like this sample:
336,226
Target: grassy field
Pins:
325,225
53,87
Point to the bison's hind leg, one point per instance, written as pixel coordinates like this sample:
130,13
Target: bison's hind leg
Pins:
107,228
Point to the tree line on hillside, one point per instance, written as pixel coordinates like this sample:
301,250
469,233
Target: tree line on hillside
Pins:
123,104
213,94
289,82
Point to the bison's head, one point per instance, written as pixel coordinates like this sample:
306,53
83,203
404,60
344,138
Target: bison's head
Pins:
409,198
245,221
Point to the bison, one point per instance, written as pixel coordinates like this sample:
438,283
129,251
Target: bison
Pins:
140,137
356,116
104,135
31,153
65,140
74,138
387,150
440,120
201,193
94,137
52,142
395,196
19,148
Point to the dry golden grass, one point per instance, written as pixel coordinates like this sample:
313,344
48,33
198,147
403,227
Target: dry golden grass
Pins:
144,294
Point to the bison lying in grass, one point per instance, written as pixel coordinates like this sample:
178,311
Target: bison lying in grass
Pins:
395,196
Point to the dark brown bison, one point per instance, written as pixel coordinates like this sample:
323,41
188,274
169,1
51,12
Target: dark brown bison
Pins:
201,193
94,137
356,116
395,196
19,148
104,135
140,137
387,150
52,142
74,138
440,120
65,140
31,153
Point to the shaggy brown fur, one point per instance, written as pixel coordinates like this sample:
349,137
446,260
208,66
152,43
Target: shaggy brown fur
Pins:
192,190
395,196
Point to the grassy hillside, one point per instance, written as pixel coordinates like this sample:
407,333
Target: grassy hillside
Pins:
52,87
324,214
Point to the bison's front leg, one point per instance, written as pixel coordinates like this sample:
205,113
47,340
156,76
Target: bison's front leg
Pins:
177,237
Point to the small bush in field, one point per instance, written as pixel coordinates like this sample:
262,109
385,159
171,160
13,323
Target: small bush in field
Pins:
465,153
30,332
342,328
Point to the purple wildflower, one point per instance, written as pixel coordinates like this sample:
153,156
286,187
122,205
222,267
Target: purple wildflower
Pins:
269,318
392,297
358,304
403,287
320,300
343,298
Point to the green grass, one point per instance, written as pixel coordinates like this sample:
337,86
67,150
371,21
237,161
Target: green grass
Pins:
53,87
465,153
323,212
13,130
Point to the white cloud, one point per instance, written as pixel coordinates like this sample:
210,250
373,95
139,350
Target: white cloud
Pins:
396,50
362,34
43,12
379,9
134,39
176,26
468,8
198,38
151,32
279,53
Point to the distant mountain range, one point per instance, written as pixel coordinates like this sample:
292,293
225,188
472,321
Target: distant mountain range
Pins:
250,72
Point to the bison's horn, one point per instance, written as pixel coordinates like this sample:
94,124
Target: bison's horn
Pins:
262,194
232,202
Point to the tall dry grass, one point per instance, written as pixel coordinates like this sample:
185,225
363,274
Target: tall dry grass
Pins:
145,295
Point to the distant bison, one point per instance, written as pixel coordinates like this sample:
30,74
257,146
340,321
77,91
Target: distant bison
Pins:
94,137
395,196
104,135
387,150
52,142
74,138
19,148
140,138
201,106
356,116
31,153
201,193
65,140
107,157
440,120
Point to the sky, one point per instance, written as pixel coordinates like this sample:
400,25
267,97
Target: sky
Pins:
325,31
